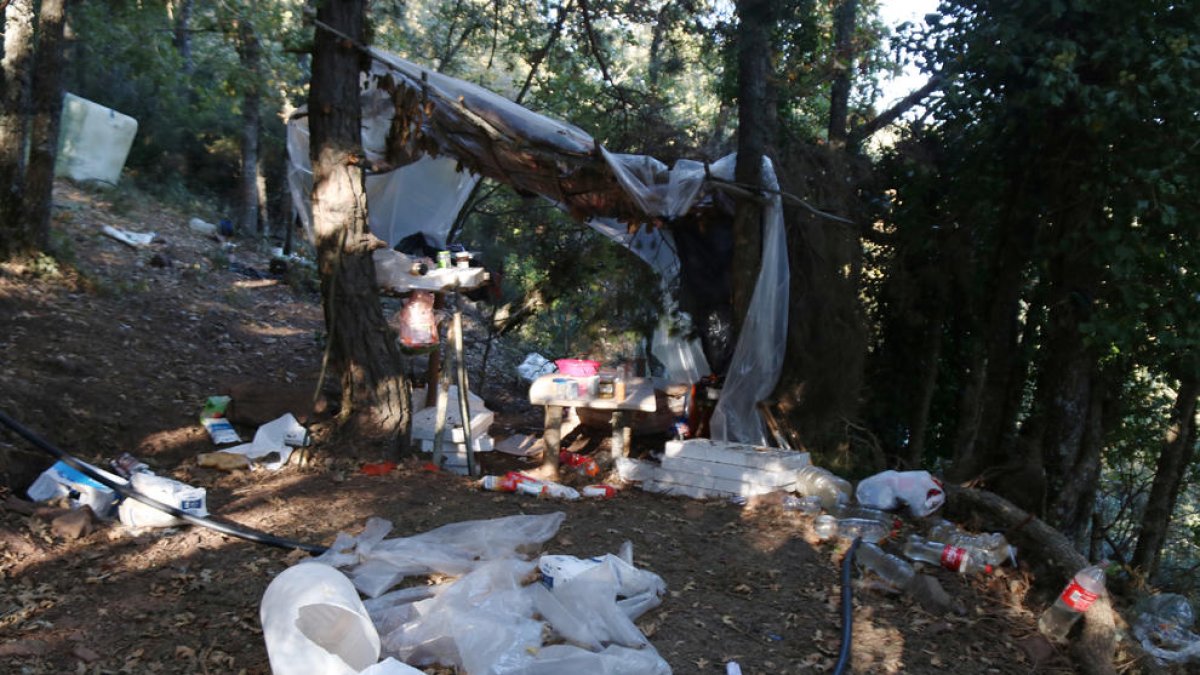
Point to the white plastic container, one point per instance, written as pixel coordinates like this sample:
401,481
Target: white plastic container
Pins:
314,622
94,141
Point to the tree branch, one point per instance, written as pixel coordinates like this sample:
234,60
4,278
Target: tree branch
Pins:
891,114
587,26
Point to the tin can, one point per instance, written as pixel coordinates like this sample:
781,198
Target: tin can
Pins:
443,260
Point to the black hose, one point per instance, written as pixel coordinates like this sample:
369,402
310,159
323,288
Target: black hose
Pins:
125,490
847,609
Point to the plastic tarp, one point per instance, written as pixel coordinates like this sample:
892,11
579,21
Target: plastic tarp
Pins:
425,196
493,617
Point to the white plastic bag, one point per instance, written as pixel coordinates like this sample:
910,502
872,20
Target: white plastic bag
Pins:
918,490
534,366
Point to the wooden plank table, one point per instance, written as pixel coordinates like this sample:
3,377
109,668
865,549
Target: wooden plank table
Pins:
547,391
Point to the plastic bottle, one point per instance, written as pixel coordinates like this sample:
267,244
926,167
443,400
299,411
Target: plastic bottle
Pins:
819,482
809,505
886,566
953,558
581,463
993,546
869,530
1076,598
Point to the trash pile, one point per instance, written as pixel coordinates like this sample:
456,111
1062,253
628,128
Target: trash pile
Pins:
500,612
1162,627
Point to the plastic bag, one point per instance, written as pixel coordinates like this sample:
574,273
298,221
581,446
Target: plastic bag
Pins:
1162,627
918,490
170,492
534,366
418,325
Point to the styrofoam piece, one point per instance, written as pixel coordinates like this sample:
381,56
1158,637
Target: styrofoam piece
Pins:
424,425
636,470
767,459
696,492
482,443
779,479
476,402
94,141
314,622
723,485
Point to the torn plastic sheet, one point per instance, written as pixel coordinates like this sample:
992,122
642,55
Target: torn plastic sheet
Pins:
495,618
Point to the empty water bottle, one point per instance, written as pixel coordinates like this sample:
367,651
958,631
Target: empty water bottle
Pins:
993,547
886,566
1076,598
867,529
953,558
819,482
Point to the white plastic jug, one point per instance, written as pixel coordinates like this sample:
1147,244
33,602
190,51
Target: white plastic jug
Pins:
315,624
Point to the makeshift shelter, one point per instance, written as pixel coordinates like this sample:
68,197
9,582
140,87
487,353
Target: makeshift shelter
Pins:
431,137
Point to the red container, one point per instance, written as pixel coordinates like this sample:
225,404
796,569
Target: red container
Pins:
578,367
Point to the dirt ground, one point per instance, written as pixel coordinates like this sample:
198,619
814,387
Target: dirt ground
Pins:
120,353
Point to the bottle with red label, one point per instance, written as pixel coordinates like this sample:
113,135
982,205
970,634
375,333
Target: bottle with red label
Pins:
1076,598
953,558
581,463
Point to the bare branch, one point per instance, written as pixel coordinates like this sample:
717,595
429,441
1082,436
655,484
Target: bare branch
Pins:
891,114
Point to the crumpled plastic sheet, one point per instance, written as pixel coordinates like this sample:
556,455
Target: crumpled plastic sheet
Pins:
1162,628
493,619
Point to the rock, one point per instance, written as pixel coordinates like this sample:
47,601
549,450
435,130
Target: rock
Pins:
74,524
255,402
17,543
85,654
159,260
19,506
24,648
929,593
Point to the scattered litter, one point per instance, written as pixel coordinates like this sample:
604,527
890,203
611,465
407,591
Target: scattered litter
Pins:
223,461
221,431
514,481
273,443
534,366
483,621
130,239
703,468
378,468
917,490
732,668
819,482
581,463
61,480
1163,626
182,496
202,227
600,491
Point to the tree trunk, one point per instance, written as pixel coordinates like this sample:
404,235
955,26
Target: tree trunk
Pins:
14,98
1173,461
362,346
930,358
47,113
756,19
249,54
183,35
839,96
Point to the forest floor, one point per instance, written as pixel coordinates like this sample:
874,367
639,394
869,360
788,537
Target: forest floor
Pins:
117,353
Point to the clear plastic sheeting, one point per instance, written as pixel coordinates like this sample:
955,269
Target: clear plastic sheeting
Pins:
1163,626
758,356
424,196
495,617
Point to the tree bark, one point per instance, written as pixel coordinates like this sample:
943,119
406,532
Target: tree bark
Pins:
362,346
249,53
839,96
183,35
14,103
47,113
930,358
756,18
1173,461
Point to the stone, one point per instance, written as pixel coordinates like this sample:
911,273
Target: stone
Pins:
74,524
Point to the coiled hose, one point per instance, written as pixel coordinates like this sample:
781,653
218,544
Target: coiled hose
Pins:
847,609
231,529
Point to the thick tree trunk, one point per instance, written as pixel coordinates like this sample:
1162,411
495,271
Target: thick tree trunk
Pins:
756,18
14,103
1173,461
362,346
839,96
249,54
47,113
